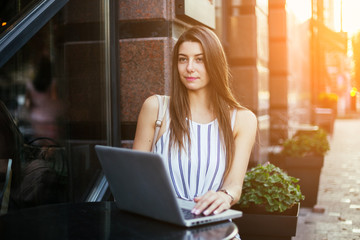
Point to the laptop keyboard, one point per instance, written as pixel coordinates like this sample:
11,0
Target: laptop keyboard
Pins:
189,215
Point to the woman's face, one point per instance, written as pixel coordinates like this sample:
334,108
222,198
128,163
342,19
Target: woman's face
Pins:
191,66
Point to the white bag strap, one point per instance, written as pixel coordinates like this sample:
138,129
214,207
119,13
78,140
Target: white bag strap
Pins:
163,103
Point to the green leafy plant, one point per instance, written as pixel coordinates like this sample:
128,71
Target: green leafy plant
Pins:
270,187
305,144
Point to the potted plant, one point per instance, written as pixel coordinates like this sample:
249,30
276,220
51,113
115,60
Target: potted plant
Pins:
328,100
302,156
270,204
306,143
325,111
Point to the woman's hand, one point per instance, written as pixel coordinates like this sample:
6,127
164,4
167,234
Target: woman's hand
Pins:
212,202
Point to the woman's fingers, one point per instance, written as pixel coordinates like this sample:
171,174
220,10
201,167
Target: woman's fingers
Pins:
211,202
203,202
216,207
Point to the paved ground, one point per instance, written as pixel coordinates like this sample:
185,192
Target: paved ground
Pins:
339,190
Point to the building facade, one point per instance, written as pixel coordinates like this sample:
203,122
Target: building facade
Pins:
78,71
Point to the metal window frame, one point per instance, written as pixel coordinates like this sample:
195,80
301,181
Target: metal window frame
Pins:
26,27
111,70
101,190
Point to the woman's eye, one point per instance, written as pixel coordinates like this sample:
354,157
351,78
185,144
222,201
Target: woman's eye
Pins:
182,59
199,60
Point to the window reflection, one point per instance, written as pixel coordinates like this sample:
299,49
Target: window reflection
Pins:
44,109
54,89
12,10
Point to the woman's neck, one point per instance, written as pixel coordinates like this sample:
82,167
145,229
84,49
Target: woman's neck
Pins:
201,107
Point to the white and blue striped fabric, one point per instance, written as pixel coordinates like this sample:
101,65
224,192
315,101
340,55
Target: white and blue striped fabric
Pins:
201,166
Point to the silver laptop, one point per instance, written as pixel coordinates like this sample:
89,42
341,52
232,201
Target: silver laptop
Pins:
140,184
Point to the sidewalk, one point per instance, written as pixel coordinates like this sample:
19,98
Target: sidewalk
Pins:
339,190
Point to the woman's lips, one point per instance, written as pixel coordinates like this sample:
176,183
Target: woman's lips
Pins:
191,79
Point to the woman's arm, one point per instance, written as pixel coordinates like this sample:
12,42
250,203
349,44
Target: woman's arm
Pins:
244,136
145,128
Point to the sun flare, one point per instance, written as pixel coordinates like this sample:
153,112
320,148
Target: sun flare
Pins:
351,16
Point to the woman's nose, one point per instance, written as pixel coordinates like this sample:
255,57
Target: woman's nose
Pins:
190,66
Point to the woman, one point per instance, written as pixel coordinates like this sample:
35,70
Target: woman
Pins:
206,137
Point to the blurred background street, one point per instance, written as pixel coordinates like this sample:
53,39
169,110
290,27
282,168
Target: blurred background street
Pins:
339,191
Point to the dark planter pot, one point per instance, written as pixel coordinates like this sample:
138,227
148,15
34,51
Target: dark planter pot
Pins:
308,170
277,160
325,118
261,225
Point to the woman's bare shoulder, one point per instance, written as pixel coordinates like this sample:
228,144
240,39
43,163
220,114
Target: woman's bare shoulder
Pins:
246,113
151,104
245,118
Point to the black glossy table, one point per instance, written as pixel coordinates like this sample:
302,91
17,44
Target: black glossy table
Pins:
101,220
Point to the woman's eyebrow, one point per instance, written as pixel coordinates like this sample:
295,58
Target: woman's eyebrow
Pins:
196,55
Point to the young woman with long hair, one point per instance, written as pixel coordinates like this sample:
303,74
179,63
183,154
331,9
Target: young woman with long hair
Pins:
206,136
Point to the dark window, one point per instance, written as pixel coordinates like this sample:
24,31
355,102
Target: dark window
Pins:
56,90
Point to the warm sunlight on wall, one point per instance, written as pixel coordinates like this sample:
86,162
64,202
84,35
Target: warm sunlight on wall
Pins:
300,8
351,16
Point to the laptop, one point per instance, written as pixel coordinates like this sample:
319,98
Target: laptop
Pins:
140,184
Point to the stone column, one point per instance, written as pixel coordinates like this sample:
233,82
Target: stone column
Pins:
145,40
248,58
278,65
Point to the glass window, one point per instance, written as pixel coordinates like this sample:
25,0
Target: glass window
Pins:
55,89
11,12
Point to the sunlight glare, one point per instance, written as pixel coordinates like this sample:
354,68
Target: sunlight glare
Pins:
300,8
351,16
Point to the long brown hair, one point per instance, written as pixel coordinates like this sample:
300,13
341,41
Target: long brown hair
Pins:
222,98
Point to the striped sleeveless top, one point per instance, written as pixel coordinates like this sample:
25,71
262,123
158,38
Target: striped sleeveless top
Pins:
201,166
